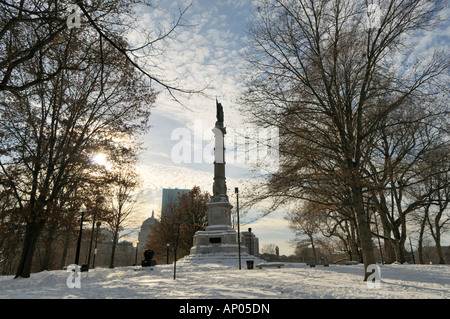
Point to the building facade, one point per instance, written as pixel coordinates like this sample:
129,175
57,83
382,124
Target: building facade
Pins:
146,230
169,199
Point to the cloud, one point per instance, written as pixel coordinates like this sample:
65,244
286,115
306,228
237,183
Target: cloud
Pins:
208,54
275,230
204,54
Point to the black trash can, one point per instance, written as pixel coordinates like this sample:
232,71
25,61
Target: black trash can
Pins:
250,264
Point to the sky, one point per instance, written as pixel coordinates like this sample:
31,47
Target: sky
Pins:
206,54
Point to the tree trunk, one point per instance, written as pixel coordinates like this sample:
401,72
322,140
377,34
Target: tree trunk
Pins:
32,233
421,236
313,249
389,250
436,234
113,250
48,242
399,246
47,256
353,240
365,235
65,248
420,249
439,253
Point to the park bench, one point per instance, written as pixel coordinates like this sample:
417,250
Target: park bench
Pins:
260,266
314,264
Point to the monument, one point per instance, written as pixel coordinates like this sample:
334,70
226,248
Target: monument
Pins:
219,241
145,231
148,261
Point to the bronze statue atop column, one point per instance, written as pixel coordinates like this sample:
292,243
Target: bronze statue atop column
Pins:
219,186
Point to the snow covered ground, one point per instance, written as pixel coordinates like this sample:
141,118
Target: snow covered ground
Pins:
218,281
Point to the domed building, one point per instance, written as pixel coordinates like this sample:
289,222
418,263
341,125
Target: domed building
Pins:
146,230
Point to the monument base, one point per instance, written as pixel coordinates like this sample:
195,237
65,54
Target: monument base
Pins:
216,239
218,244
227,259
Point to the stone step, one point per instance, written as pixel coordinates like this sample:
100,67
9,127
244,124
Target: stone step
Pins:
218,258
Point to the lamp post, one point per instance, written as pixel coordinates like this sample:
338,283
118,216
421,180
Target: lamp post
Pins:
412,252
175,253
236,190
77,255
135,258
98,224
348,245
90,242
168,248
379,242
250,242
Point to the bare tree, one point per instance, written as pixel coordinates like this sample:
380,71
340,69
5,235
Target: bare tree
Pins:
327,79
29,28
305,222
123,200
436,213
67,92
269,249
50,131
184,217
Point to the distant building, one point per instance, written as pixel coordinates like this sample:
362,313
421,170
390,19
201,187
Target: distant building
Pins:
125,254
251,242
169,198
429,255
146,230
308,254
